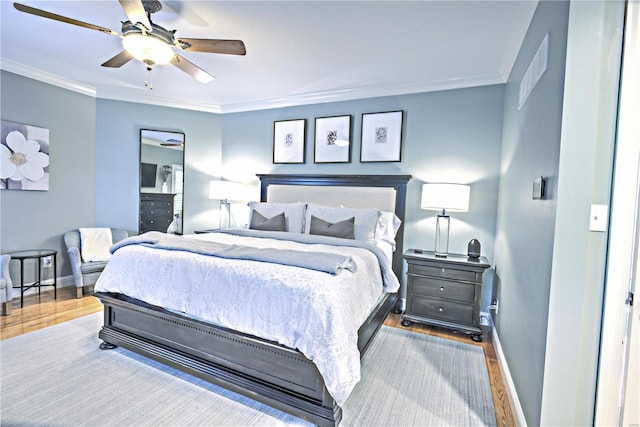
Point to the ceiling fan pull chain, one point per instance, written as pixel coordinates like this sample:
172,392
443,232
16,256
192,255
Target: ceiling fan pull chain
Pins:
149,83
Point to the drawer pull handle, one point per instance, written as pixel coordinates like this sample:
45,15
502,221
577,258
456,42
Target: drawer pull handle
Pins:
440,309
441,288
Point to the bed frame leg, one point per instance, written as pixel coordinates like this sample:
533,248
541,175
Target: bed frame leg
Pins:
107,346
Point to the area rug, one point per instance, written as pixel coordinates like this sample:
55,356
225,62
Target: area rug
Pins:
58,377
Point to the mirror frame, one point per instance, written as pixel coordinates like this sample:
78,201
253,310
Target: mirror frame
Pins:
148,199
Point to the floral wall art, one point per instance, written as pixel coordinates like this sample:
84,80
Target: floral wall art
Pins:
24,157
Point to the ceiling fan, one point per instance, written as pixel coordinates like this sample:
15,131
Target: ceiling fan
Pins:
148,42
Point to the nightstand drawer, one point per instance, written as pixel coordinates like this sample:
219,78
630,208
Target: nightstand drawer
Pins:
438,309
442,272
428,287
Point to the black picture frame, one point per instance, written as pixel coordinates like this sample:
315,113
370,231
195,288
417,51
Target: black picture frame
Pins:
289,141
381,137
332,139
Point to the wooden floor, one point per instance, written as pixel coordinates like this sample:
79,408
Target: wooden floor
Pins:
42,311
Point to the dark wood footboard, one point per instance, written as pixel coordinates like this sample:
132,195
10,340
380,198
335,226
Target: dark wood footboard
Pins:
262,370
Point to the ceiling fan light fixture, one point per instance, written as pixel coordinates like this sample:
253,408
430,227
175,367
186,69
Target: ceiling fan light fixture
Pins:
148,48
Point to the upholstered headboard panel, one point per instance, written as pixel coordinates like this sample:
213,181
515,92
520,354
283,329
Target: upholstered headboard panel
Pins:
383,198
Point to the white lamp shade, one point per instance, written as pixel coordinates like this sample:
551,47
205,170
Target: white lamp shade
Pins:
452,197
229,190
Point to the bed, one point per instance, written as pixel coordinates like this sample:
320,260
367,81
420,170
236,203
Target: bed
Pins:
263,369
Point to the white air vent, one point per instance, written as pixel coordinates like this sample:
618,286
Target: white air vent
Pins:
536,69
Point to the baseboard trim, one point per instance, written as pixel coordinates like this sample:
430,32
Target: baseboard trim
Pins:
516,408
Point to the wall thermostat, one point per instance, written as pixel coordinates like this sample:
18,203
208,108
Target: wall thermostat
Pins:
539,188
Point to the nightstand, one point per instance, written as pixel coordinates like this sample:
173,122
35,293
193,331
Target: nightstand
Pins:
444,291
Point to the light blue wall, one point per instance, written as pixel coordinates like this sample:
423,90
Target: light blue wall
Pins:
448,136
118,127
38,219
550,265
524,241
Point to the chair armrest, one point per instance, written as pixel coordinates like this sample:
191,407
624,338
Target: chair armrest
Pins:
4,273
76,263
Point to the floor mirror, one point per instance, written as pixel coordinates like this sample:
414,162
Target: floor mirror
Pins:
161,181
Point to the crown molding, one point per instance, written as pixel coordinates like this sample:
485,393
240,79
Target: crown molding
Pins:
121,94
43,76
372,92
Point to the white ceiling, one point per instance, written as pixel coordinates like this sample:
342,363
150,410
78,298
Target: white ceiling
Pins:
298,52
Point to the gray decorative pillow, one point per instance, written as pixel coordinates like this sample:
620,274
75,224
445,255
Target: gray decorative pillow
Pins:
275,223
344,229
293,212
366,220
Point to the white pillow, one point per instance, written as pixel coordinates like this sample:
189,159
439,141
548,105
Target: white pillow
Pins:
366,220
293,212
387,249
387,228
95,244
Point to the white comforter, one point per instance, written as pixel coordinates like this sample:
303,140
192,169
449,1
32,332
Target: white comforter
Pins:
318,313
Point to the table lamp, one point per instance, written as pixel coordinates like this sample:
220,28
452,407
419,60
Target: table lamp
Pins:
443,197
227,191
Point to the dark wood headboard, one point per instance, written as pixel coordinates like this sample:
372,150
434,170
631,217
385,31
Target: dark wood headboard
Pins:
397,182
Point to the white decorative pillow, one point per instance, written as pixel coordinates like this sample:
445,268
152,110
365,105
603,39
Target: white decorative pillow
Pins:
387,228
366,220
293,212
95,244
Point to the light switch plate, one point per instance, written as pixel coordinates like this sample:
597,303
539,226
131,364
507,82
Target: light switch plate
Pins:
539,188
599,218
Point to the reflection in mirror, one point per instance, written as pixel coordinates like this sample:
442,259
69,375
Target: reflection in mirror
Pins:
161,181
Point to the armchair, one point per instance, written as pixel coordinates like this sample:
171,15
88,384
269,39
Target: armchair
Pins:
85,274
6,286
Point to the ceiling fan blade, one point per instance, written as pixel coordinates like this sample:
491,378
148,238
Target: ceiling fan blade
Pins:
49,15
192,69
119,60
136,13
231,47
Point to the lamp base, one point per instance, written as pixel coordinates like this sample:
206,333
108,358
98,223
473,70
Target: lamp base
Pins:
225,214
442,236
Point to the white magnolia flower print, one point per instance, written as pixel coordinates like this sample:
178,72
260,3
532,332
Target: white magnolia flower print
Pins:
22,158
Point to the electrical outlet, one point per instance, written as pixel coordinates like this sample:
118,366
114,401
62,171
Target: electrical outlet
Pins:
494,306
484,318
46,262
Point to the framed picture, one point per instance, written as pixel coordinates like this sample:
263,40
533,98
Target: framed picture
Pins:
381,137
25,157
288,141
332,143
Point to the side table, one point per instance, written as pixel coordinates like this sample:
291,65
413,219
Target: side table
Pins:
39,255
444,291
